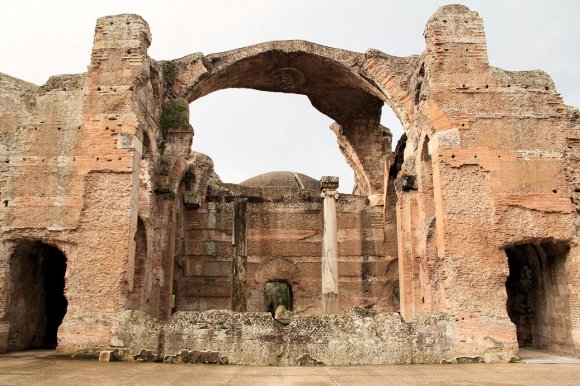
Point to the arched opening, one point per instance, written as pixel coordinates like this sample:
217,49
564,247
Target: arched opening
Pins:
277,293
327,76
248,132
538,298
37,302
336,90
139,297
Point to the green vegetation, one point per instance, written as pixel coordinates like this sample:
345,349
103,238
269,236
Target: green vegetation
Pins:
174,117
169,71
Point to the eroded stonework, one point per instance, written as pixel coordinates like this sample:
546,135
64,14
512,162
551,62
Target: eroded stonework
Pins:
469,229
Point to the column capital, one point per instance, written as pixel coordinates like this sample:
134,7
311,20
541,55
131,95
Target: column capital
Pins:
328,183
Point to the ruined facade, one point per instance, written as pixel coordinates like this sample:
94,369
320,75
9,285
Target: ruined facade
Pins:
115,233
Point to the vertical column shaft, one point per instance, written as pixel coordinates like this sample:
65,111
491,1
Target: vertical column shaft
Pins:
329,246
240,259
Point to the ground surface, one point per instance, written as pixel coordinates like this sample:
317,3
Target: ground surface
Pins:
42,368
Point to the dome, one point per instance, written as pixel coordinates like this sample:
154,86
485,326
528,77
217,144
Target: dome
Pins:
283,179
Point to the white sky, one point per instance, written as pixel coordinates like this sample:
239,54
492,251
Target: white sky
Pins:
249,132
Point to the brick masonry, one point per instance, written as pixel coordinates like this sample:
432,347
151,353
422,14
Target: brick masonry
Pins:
99,165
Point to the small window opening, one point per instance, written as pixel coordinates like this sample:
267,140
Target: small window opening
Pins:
277,293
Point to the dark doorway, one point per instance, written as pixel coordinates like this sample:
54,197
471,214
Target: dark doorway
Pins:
37,302
537,292
277,293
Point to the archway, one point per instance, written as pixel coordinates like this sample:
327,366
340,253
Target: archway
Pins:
248,133
37,302
537,292
332,79
336,85
141,281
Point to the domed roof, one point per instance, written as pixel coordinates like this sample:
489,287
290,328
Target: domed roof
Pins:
283,179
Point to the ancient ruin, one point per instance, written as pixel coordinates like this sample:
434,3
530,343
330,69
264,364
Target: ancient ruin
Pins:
461,245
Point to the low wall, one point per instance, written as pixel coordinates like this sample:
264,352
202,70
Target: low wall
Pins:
353,338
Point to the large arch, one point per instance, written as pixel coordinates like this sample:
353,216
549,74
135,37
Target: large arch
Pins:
334,80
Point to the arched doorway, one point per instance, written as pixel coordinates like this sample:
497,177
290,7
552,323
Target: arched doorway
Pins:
538,297
37,302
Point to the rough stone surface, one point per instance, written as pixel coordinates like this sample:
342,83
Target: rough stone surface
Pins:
354,337
470,228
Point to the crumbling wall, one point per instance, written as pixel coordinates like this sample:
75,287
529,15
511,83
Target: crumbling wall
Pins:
497,142
490,162
353,338
284,242
72,149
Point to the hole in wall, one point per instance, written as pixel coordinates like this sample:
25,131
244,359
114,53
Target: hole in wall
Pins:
538,295
266,131
390,120
38,304
277,293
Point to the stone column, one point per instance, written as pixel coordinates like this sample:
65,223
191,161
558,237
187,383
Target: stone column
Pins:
239,296
329,185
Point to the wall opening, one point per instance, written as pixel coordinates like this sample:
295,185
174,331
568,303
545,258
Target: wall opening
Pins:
241,127
277,293
139,298
537,290
390,120
248,132
37,301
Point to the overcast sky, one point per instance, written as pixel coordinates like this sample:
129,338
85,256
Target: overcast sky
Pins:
249,132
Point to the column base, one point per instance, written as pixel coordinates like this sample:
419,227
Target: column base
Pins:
330,303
